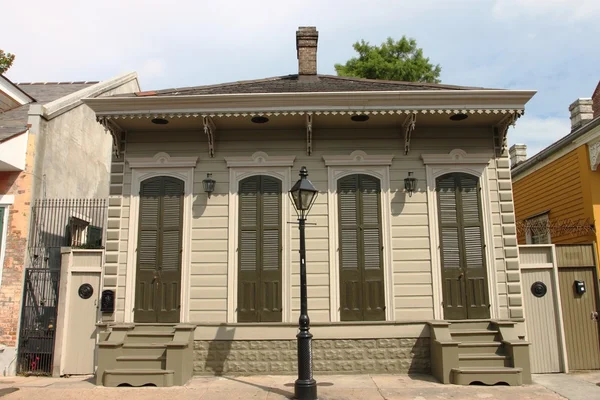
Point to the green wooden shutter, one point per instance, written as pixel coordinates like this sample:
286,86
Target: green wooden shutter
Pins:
270,250
147,250
260,248
249,229
370,215
171,222
362,295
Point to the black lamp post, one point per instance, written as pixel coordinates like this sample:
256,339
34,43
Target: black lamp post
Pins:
303,195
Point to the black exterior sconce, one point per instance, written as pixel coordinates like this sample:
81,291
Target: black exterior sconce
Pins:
410,184
209,184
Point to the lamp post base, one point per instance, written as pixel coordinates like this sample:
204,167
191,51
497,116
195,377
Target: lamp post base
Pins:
305,389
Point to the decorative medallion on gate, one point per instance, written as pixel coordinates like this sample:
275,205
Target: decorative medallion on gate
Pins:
539,289
85,291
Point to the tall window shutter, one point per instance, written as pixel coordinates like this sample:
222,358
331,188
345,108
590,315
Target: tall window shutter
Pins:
362,294
449,230
259,258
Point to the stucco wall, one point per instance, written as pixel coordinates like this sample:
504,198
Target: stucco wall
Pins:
411,253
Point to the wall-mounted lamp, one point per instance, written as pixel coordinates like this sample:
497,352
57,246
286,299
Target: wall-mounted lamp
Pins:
410,184
209,184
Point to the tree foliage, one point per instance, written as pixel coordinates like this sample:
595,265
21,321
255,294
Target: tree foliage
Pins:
6,61
398,60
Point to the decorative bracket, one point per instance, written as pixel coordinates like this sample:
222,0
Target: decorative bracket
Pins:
594,149
309,121
210,129
502,129
115,131
408,127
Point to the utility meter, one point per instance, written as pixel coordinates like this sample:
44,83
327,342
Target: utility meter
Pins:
580,287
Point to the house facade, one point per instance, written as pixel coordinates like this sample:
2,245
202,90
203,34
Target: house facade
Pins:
50,148
381,260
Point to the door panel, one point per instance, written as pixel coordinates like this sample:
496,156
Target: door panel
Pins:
158,276
462,248
362,296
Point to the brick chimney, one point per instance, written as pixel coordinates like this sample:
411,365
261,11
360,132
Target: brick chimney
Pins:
581,113
518,154
306,46
596,101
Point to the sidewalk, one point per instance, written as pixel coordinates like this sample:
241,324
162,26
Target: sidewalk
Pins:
330,387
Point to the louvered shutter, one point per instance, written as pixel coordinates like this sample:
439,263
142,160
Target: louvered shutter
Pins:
362,294
147,250
170,249
249,229
270,250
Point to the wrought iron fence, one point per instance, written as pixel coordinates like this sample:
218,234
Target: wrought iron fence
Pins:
64,222
38,321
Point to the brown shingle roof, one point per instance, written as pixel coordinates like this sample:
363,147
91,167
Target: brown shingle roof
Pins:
296,84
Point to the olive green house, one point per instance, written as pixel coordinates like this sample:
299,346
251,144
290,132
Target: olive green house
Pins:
411,245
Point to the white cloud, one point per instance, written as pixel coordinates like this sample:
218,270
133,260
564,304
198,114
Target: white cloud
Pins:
538,133
558,9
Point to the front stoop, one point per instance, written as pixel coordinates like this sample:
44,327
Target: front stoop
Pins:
145,354
482,351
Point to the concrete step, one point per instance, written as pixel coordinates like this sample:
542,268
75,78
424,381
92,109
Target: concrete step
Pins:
154,327
481,348
470,324
474,335
142,362
138,377
144,349
149,337
488,376
483,360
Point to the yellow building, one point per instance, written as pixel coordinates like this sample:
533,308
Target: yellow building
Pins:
557,191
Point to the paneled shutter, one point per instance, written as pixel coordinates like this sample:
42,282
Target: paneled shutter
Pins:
147,250
260,249
249,229
362,295
170,249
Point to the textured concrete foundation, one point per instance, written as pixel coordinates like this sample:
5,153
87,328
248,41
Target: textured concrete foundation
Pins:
362,356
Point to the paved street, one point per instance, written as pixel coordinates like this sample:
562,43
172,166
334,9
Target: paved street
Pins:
333,387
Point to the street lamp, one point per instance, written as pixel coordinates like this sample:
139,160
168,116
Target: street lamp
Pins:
303,195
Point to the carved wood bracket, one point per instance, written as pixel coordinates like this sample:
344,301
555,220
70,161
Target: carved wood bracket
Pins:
116,132
408,127
502,128
210,130
594,149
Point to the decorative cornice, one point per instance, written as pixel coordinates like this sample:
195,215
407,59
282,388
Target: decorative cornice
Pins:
162,160
260,159
594,149
357,158
456,156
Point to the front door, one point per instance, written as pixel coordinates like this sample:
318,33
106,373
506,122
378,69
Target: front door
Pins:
462,248
158,272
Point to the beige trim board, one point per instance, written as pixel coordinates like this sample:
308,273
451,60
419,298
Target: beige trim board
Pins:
142,169
289,331
358,162
241,168
474,164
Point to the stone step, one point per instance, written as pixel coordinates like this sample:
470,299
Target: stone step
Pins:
154,327
471,324
488,376
483,360
144,349
142,362
138,377
481,348
474,335
149,337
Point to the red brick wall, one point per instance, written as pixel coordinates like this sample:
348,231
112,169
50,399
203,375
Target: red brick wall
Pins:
17,228
596,101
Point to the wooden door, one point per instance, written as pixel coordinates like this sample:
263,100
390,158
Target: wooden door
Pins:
260,249
581,329
362,296
462,247
158,273
81,325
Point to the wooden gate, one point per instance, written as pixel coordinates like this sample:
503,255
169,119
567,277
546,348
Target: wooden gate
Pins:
543,316
576,263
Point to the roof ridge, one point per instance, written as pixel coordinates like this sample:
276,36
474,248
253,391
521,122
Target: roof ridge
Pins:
59,83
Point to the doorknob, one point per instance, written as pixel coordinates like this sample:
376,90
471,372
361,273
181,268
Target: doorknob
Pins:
594,316
461,275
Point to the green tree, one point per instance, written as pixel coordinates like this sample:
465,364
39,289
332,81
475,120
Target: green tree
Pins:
6,61
398,60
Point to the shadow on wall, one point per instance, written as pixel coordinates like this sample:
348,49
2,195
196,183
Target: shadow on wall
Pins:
219,349
398,201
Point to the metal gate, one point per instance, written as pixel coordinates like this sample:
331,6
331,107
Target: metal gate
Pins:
38,321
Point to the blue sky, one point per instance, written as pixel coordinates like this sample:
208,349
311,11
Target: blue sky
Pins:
546,45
